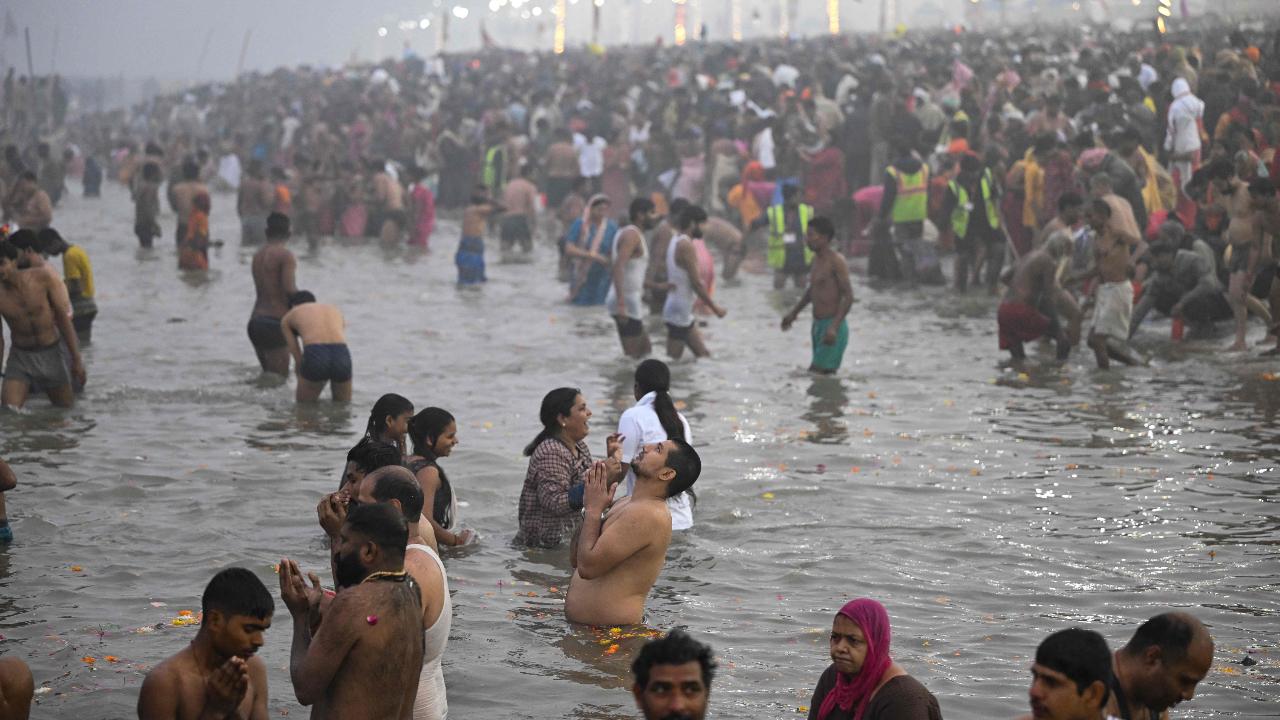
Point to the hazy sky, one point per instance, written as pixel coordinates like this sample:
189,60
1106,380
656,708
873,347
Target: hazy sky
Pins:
163,38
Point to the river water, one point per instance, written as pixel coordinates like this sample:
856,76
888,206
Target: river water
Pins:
984,509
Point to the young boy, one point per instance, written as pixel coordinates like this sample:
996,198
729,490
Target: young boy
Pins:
831,294
475,222
219,673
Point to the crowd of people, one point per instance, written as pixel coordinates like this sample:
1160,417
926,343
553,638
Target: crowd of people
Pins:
1091,174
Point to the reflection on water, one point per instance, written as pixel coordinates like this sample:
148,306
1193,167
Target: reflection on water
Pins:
827,403
983,507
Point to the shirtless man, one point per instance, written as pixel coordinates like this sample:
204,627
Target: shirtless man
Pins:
1244,241
273,280
218,675
359,655
630,262
388,199
35,306
254,200
832,296
1034,302
398,487
313,333
182,197
32,208
17,688
682,274
520,197
618,559
1113,296
475,223
1161,666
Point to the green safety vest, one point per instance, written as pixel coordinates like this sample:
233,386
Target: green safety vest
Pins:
493,179
777,253
960,216
911,203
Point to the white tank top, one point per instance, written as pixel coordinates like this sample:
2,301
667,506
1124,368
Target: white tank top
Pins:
431,702
678,309
632,276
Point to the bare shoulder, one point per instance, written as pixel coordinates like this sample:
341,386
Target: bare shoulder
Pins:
839,264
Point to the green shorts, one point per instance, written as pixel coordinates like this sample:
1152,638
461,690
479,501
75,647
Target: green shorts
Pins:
828,357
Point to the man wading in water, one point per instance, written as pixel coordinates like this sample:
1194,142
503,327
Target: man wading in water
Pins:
617,559
371,630
832,296
35,306
273,279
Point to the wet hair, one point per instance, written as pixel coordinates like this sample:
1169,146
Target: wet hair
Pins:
1171,632
691,216
237,591
556,403
1081,655
823,226
51,242
653,376
426,427
640,207
24,240
370,454
688,466
301,297
1068,200
674,648
397,483
676,207
382,525
388,406
8,251
277,225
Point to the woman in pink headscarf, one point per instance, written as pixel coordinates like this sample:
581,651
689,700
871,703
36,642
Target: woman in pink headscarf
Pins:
863,683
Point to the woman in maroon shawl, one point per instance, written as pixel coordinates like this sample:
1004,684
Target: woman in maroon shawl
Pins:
863,683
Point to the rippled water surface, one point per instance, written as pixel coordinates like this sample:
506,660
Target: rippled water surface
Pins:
984,509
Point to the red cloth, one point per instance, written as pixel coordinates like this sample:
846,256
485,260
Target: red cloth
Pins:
856,690
1019,322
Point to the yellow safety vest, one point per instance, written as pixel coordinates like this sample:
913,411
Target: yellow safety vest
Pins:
960,216
492,178
777,252
911,204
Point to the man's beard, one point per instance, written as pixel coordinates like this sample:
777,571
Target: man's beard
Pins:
347,570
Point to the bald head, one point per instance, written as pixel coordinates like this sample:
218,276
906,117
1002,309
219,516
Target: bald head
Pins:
1166,658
